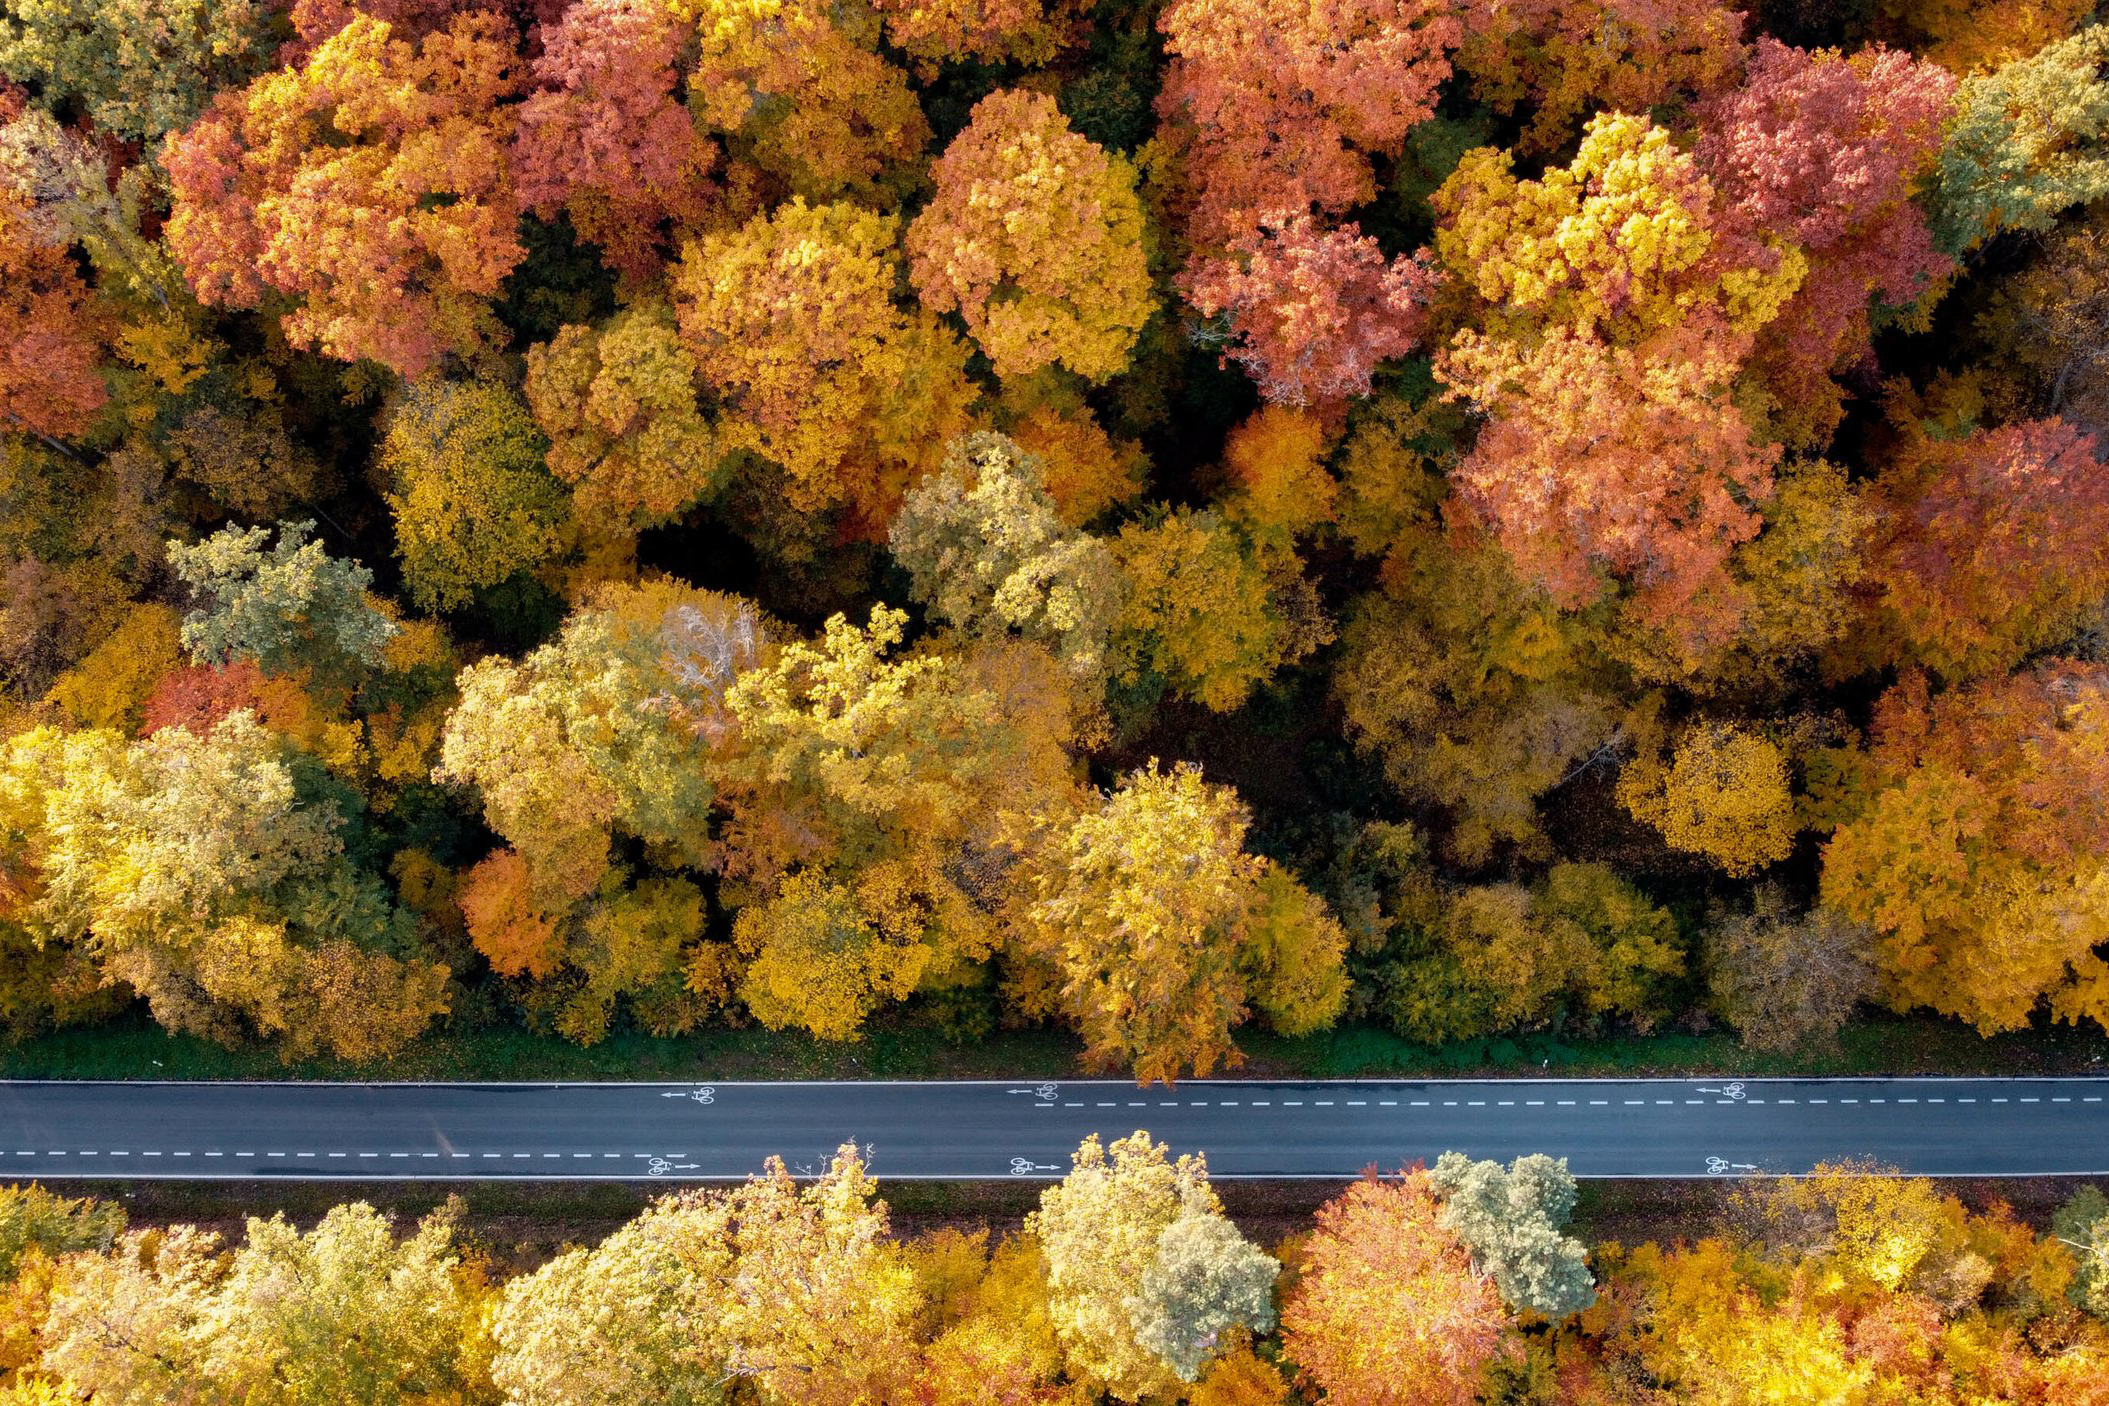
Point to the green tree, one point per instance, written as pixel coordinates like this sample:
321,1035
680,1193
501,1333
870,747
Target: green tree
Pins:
1206,1282
1511,1222
2025,144
290,607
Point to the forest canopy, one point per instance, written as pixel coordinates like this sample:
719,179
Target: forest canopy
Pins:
1454,1285
1155,518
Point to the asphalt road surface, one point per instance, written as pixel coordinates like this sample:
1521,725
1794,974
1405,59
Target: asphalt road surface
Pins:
990,1129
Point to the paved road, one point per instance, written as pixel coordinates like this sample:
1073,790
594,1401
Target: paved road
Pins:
982,1130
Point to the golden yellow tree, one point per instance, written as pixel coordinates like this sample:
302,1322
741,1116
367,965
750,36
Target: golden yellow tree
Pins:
799,90
619,407
858,784
791,320
1723,794
1210,612
1160,928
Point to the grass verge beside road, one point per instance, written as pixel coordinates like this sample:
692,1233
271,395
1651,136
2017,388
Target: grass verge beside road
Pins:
139,1050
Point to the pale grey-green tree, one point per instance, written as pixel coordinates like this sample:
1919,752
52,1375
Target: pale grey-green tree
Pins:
987,552
1206,1281
1511,1219
287,606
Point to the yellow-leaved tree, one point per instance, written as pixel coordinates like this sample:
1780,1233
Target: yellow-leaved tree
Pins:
798,1290
859,785
1724,794
791,321
1145,1274
1153,931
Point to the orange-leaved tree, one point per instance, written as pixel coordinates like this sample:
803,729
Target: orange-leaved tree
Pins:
370,184
1387,1309
1035,238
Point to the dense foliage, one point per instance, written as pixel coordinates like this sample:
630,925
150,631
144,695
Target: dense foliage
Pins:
1456,1287
1148,516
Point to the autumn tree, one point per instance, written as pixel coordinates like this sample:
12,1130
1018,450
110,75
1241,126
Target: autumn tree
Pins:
991,1329
473,501
791,320
608,1323
345,1312
1973,855
1723,793
50,333
1990,547
1788,980
137,68
1152,915
32,1219
1825,152
1278,108
1144,1271
289,607
369,184
1086,470
1795,593
986,551
1387,1309
799,89
600,736
1274,472
1970,36
1035,238
604,137
1603,463
1311,311
2082,1224
1625,243
857,783
210,873
244,460
1209,612
1510,1219
2045,324
2025,143
1476,692
949,31
1560,58
618,404
796,1289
